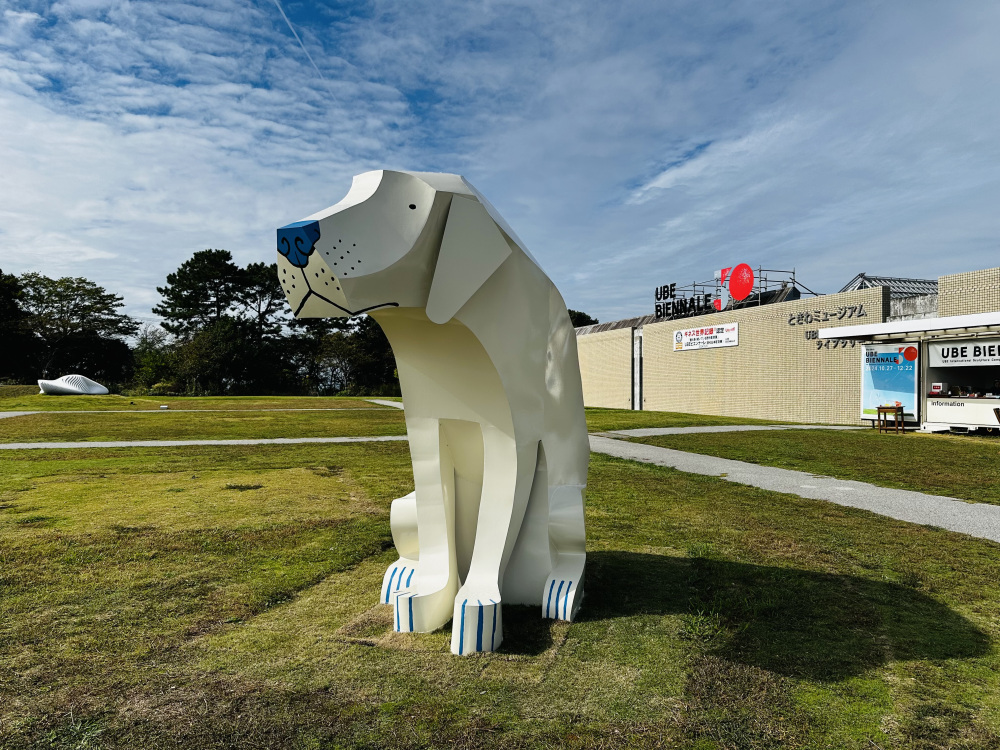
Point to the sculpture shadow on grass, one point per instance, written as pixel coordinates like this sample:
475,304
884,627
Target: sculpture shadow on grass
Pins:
793,622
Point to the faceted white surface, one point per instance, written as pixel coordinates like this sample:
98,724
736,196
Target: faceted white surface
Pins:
71,385
487,363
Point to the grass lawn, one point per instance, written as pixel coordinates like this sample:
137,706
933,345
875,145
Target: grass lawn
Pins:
961,466
254,418
602,420
27,398
175,425
220,597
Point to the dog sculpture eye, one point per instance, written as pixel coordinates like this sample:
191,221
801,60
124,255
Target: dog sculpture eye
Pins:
412,206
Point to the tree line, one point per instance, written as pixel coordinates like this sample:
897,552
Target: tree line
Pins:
225,330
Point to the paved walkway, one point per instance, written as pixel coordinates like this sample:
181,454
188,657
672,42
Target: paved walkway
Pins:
975,519
181,443
653,431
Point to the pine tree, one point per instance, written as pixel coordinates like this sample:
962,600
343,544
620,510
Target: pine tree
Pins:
202,291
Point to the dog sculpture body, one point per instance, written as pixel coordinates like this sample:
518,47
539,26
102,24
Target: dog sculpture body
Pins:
488,367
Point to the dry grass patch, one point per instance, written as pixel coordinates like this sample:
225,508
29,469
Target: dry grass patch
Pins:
27,398
603,420
717,616
246,424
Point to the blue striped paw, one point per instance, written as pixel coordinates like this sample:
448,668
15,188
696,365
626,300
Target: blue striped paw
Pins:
398,579
561,598
403,609
477,625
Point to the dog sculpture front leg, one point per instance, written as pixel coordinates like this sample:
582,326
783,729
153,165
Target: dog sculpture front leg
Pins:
398,579
564,588
426,603
508,471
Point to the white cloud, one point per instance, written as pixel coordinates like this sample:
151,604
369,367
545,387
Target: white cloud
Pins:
628,144
135,134
882,160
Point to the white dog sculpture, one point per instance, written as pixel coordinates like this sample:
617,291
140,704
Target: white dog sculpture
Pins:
488,367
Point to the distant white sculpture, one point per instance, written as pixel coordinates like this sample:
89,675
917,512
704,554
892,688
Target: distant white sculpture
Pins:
71,385
488,366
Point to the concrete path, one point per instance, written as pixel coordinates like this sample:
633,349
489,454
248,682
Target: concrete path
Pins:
653,431
181,443
5,414
975,519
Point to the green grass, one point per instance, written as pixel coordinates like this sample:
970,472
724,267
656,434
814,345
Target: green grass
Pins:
13,391
961,466
208,425
220,597
602,420
27,398
260,418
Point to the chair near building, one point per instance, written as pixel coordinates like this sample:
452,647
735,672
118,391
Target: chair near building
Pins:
898,422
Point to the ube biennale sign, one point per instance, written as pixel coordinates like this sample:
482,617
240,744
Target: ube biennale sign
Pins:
964,353
736,282
889,378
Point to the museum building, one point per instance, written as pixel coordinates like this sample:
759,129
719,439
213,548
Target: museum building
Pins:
759,347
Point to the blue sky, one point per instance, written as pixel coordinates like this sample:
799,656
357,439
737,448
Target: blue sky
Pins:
629,144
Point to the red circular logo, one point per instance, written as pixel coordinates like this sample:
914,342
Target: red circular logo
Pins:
741,282
910,353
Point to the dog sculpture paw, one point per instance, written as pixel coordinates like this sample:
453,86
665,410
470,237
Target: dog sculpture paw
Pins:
403,609
478,624
397,579
562,595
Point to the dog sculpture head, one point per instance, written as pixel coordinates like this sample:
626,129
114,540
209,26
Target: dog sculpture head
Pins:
397,239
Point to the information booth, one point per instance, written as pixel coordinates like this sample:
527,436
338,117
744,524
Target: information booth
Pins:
944,372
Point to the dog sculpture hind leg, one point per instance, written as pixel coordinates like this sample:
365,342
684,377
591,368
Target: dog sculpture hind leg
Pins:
487,363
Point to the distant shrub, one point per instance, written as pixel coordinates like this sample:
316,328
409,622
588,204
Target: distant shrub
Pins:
389,389
13,391
165,389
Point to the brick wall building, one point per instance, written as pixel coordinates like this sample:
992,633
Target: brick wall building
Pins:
779,370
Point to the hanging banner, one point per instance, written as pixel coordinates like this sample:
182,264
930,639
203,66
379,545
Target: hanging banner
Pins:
965,353
708,337
889,378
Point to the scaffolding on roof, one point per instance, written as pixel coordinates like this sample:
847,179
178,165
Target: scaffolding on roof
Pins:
898,287
770,286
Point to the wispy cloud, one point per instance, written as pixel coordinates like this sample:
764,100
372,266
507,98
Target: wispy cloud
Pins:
291,28
629,144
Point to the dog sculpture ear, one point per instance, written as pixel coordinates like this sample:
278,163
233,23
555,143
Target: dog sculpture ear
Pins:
471,250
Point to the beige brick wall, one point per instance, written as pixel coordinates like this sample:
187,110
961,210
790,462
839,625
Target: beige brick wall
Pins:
969,293
774,373
606,368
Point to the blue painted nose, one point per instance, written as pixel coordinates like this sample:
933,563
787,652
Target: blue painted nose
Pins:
297,241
